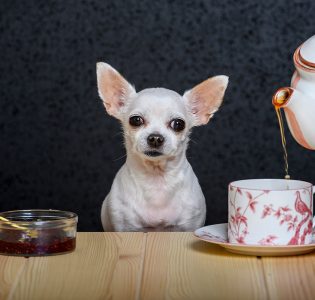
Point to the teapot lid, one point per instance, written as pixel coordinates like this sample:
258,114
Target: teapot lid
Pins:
307,52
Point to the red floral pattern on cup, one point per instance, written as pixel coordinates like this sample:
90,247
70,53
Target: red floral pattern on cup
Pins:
268,241
238,226
293,223
297,219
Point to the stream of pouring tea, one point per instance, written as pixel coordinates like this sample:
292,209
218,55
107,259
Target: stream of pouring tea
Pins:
284,143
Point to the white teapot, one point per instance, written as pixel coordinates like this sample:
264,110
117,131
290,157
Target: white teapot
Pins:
298,100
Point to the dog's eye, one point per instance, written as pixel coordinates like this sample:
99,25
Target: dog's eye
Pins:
136,121
177,125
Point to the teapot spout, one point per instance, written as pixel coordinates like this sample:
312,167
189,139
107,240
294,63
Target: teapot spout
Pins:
299,110
282,96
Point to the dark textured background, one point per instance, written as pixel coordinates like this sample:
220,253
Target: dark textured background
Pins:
58,147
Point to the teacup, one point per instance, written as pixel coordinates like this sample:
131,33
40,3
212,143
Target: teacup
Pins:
270,212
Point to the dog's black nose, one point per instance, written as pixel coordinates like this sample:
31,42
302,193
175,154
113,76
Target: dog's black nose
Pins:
155,140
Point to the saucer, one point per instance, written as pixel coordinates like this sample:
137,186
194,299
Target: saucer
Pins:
217,234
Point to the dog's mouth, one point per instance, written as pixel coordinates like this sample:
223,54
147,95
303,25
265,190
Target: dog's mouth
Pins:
153,153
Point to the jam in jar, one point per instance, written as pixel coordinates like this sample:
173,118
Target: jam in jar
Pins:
37,232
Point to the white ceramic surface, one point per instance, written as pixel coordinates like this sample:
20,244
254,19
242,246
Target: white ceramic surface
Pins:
270,212
299,104
308,50
217,234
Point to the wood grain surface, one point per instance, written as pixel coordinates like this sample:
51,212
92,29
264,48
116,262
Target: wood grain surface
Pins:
290,277
178,266
93,271
11,269
157,265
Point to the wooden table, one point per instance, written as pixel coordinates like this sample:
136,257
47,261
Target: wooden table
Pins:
155,266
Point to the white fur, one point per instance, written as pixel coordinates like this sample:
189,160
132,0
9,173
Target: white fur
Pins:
153,193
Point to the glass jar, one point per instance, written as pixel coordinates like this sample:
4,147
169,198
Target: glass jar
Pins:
37,232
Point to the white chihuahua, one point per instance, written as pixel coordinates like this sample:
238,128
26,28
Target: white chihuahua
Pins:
156,189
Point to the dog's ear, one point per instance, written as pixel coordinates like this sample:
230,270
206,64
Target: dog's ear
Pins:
205,98
113,89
